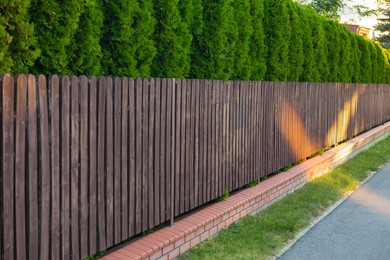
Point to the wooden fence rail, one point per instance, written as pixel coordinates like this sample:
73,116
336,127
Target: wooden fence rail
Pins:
86,163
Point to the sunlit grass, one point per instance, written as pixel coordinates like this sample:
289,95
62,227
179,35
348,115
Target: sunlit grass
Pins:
263,235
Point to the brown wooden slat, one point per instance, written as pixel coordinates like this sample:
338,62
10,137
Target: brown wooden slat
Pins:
205,138
187,177
201,142
209,157
213,154
8,141
101,130
163,149
183,180
93,172
138,153
84,167
217,173
20,158
133,117
168,148
32,179
157,141
109,204
196,146
151,153
191,145
117,160
45,166
177,148
65,166
1,170
55,166
145,153
75,175
124,159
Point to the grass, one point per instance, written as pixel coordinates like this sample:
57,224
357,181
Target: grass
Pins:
263,235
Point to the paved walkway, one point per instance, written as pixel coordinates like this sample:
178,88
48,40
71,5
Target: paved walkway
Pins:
358,229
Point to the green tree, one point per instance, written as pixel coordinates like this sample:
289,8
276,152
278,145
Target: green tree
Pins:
242,62
217,42
18,50
173,38
55,26
383,26
258,50
85,51
296,55
126,44
277,36
309,62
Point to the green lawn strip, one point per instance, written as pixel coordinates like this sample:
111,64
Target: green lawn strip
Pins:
261,236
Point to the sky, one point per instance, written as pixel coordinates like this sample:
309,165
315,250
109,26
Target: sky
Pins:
365,21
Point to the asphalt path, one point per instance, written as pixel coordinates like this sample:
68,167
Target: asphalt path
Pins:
359,228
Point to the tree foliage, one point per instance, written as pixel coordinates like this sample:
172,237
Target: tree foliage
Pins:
275,40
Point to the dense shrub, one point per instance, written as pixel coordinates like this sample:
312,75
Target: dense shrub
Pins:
276,40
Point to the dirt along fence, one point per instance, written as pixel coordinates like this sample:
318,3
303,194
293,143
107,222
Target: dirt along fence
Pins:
86,163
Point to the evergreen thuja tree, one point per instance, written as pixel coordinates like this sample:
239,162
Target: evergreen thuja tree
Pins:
307,40
197,27
333,40
85,51
242,61
118,39
173,38
277,36
216,43
365,60
258,49
345,54
18,50
296,55
55,26
320,45
354,63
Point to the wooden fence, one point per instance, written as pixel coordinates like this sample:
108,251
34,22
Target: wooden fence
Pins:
89,162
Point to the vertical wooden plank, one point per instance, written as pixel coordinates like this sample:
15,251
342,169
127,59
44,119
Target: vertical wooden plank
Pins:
187,147
109,204
234,133
183,180
178,176
196,146
151,153
33,235
20,160
168,151
191,143
210,170
101,136
157,140
205,140
145,153
55,167
163,149
65,163
83,167
217,174
213,171
45,165
138,161
74,121
8,141
124,159
93,174
133,130
117,160
201,142
229,136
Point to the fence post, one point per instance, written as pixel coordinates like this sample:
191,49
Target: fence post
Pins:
172,155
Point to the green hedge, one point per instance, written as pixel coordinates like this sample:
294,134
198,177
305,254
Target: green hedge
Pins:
275,40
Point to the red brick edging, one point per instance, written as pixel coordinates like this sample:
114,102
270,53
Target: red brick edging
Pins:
169,242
